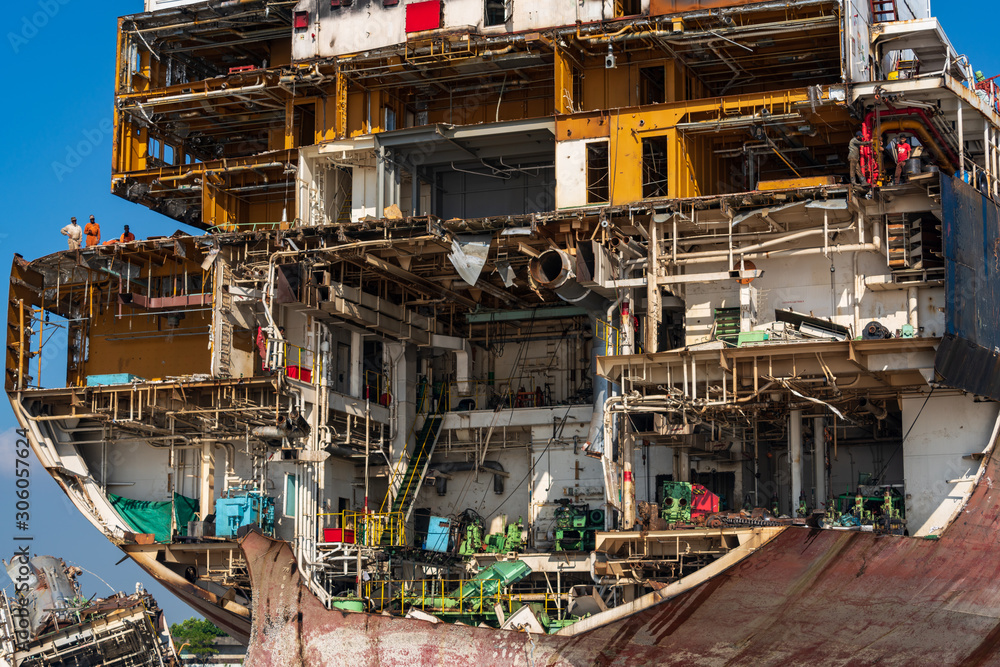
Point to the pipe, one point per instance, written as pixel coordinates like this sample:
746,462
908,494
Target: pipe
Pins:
463,352
797,252
912,308
879,411
442,482
293,426
553,270
795,456
819,462
961,143
920,130
188,97
793,236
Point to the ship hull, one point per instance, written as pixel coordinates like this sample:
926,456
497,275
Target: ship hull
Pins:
809,596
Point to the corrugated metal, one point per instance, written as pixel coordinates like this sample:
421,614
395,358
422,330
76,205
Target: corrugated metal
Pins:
809,597
969,356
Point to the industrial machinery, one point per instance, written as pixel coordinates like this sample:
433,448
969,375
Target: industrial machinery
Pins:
242,507
684,502
576,525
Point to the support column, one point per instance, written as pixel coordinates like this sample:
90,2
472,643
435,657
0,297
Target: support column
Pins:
628,481
961,143
683,472
795,457
357,366
207,480
654,303
403,391
415,191
819,462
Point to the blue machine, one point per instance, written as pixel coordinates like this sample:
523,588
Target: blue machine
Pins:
243,508
438,532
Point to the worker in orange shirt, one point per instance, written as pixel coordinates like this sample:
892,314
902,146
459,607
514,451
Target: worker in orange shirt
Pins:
93,232
127,236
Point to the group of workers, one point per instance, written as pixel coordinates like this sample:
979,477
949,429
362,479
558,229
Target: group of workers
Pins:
75,234
901,151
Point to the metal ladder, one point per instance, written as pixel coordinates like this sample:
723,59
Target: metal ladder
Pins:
222,317
904,242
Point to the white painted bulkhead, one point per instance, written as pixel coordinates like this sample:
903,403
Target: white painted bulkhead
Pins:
945,430
368,24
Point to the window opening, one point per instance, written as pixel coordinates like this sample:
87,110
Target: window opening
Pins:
598,173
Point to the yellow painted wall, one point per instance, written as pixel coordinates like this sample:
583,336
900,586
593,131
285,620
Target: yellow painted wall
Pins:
145,345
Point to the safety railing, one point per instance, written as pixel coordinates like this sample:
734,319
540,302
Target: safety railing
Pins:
399,469
242,227
454,595
615,342
513,601
527,391
376,388
296,362
371,529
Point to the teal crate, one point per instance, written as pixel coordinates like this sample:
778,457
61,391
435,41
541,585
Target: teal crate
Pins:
112,378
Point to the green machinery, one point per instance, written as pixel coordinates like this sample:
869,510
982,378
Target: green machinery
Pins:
512,538
676,505
476,595
885,513
472,542
576,526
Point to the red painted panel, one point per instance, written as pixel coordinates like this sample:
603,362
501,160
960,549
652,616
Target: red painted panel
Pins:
423,16
301,20
703,501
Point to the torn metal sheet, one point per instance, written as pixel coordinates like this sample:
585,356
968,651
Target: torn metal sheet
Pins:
742,217
506,272
469,254
829,204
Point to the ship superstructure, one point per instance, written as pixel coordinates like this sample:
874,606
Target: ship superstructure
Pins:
517,315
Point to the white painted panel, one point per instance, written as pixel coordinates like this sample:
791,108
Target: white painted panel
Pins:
571,173
949,428
367,24
157,5
364,193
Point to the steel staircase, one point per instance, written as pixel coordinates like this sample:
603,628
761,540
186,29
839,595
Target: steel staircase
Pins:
904,242
405,487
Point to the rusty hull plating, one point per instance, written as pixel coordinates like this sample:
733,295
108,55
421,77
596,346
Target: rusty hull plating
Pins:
809,596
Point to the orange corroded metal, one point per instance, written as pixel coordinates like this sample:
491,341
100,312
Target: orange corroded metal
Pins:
657,7
816,597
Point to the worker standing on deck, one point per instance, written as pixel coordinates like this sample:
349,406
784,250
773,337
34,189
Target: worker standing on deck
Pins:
127,236
902,155
854,158
73,233
93,232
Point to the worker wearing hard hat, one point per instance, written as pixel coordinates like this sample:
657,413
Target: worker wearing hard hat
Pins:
854,158
73,234
93,232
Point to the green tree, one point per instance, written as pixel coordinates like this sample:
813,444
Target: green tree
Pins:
197,633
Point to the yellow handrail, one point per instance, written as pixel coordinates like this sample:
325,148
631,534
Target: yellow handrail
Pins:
371,529
400,468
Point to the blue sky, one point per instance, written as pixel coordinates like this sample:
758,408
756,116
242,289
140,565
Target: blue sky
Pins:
60,55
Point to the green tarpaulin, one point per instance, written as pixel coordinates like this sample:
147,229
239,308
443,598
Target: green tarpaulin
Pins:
147,516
